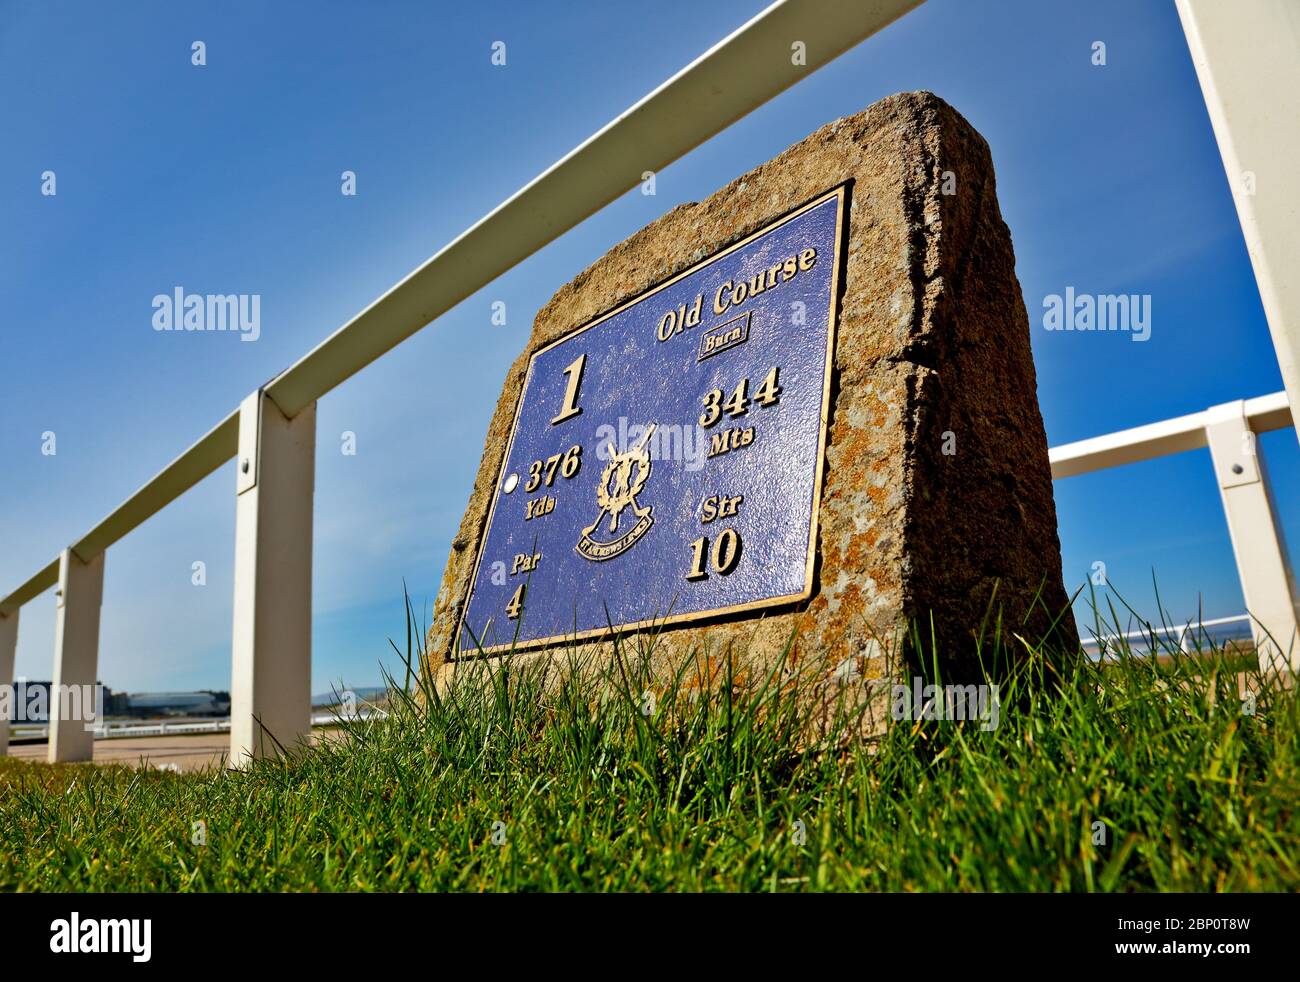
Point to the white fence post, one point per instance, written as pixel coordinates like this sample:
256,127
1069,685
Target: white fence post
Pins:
8,647
1247,57
270,692
1262,563
76,656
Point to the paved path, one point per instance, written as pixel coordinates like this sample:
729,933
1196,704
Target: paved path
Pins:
188,751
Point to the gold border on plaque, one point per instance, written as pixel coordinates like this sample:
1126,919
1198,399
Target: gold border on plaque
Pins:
840,193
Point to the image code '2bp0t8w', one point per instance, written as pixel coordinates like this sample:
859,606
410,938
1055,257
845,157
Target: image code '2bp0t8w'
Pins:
666,458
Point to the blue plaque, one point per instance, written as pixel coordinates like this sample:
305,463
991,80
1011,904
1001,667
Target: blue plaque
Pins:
665,461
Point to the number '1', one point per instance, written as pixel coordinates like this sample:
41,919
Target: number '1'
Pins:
571,407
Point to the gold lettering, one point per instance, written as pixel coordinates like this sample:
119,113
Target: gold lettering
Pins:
571,407
709,510
516,604
717,506
726,551
728,440
718,306
697,560
524,563
675,321
693,315
538,507
733,294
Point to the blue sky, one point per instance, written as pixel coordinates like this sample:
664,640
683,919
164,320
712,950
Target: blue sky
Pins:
226,179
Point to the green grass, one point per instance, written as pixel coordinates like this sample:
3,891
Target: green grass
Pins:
708,793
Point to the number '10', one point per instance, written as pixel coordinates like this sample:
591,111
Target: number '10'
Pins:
726,553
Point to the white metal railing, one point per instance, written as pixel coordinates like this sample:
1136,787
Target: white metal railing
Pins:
1188,636
118,729
272,433
1229,430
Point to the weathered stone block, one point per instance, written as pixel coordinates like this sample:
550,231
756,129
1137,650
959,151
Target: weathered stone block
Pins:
936,507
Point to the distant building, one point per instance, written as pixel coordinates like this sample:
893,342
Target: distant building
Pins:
30,702
202,703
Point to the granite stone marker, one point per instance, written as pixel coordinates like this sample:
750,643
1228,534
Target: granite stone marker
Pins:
802,408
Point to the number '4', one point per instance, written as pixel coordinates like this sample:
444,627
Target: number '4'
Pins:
769,392
516,604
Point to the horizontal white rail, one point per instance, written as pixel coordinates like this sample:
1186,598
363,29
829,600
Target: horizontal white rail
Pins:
187,470
1170,436
1179,629
1186,636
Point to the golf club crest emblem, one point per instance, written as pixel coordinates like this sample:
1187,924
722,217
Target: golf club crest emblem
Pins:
621,481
